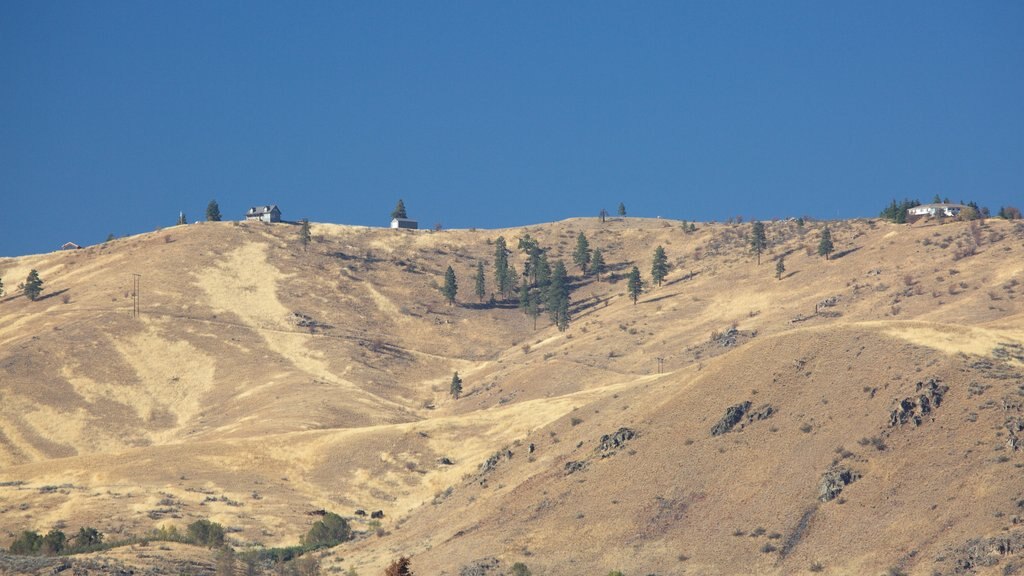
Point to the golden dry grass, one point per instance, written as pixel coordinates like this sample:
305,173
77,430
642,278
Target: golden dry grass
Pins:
218,391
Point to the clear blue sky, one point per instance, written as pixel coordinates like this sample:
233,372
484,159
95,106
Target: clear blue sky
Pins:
114,116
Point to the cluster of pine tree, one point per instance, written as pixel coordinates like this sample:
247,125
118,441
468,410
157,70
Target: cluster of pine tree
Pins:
897,211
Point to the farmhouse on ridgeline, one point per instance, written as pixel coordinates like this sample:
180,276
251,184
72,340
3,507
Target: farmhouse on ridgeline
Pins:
406,223
933,210
264,213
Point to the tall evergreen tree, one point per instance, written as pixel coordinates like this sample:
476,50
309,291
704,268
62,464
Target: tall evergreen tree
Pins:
780,267
451,286
581,255
597,265
758,240
659,265
304,234
213,211
399,211
557,300
481,282
33,285
825,246
182,219
622,209
456,387
635,285
502,273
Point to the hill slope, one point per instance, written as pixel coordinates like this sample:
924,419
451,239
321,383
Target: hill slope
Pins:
264,380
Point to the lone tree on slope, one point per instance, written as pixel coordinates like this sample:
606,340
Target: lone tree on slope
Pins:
758,241
33,285
212,212
451,286
481,282
659,265
825,246
635,285
581,256
1,286
399,211
780,267
597,265
622,209
456,387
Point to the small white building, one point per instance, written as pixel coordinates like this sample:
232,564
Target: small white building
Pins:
405,223
69,246
933,210
264,213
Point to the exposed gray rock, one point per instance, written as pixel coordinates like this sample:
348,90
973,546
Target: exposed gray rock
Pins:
574,466
916,409
834,480
733,415
611,442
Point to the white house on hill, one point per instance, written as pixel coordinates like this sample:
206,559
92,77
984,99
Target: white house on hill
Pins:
264,213
933,210
404,223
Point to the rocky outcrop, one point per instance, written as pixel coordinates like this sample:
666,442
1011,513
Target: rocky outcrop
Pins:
611,442
917,408
733,415
834,480
742,415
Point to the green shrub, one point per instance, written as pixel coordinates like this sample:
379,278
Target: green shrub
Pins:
520,569
206,533
330,531
28,542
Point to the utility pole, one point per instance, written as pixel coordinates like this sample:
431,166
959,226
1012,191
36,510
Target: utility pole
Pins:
136,283
661,364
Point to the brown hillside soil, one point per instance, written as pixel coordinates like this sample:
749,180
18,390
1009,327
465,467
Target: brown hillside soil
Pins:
263,381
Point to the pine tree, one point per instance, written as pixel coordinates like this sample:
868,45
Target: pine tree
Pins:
502,274
557,300
659,265
110,237
33,285
780,267
481,282
825,246
602,215
635,285
399,211
582,256
212,212
758,240
597,265
451,286
622,209
304,234
456,387
181,219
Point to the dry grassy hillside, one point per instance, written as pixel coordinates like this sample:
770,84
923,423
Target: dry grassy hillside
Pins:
264,380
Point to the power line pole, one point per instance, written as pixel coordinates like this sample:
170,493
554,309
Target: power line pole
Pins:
136,283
